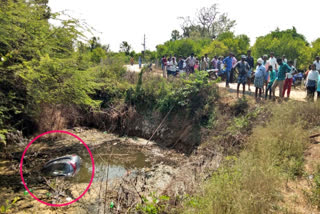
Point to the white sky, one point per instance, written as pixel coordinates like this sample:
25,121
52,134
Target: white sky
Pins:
128,20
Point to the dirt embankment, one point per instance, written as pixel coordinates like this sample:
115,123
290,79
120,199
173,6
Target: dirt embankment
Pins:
177,164
168,173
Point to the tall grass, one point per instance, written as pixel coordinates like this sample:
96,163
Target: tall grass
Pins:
251,182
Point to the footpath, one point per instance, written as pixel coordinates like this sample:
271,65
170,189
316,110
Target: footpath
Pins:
296,94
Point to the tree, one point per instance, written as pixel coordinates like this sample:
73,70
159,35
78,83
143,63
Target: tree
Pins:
287,42
40,63
216,48
125,48
235,44
208,23
316,48
175,35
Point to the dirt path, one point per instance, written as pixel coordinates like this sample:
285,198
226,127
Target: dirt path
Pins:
296,94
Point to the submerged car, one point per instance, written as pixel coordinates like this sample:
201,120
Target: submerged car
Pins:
68,166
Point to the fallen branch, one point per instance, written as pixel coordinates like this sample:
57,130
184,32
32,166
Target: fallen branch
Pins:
315,135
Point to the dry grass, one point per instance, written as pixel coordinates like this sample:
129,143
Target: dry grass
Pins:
253,181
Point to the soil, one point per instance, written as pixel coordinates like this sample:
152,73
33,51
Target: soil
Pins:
166,174
297,94
295,192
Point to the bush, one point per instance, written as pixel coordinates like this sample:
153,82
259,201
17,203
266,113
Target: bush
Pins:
251,182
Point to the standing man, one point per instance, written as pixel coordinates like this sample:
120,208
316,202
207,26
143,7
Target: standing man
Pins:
282,70
140,62
243,69
191,62
271,79
132,61
312,82
273,61
250,61
234,62
164,62
259,77
228,62
317,63
289,80
214,62
207,62
284,59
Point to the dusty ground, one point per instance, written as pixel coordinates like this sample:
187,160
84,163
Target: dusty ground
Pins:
296,94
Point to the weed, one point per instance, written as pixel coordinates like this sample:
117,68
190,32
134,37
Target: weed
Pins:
153,206
314,197
7,207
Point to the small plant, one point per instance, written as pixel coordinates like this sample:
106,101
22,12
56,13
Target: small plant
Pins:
314,197
154,206
7,207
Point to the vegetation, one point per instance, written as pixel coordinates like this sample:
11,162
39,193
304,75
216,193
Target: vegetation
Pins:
287,42
7,207
251,182
154,205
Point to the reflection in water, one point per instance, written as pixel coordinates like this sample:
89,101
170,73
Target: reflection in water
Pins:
123,158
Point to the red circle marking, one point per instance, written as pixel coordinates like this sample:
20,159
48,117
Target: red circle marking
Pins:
21,163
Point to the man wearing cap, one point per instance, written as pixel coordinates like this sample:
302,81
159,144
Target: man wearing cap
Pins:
317,63
259,77
250,61
243,69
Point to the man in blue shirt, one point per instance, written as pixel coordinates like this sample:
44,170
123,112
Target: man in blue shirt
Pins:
228,62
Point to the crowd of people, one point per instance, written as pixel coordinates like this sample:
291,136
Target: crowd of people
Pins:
270,73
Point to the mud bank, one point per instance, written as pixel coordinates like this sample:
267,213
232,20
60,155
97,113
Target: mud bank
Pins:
127,169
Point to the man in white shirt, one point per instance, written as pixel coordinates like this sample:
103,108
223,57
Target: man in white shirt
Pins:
312,82
191,62
317,63
273,61
284,59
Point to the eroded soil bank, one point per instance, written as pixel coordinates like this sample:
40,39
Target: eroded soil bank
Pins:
126,170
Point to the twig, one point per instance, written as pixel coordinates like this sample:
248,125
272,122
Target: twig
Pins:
315,135
158,127
134,203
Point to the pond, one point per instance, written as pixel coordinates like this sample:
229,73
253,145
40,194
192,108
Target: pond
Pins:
111,161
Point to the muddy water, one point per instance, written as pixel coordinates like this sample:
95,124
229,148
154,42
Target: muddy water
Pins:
111,161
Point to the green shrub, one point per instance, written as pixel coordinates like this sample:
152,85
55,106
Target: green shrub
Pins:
157,204
251,182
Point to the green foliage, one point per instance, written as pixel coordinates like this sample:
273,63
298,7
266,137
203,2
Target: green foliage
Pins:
216,48
316,48
288,43
183,47
7,207
154,205
251,182
193,94
238,45
58,81
3,137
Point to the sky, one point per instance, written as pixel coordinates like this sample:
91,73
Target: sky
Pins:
128,20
